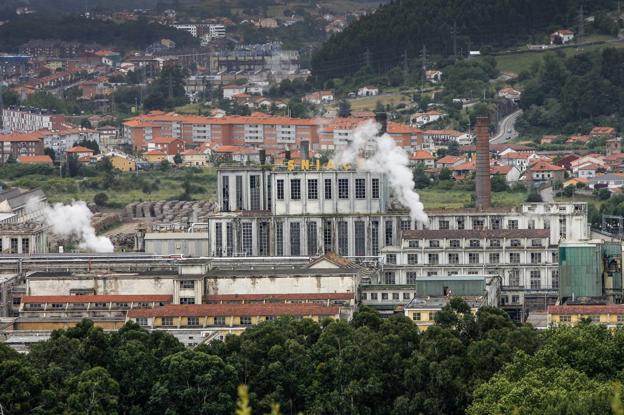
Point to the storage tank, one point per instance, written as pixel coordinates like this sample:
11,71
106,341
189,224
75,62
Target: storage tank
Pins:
581,268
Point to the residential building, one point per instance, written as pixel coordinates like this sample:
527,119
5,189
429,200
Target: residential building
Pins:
422,311
22,206
608,132
319,97
444,137
194,157
155,156
510,93
433,76
16,145
122,162
64,139
367,91
168,145
419,119
449,161
45,160
26,119
80,151
609,315
561,37
542,172
423,158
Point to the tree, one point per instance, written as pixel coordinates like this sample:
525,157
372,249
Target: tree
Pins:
499,184
177,159
534,197
100,199
445,174
569,191
602,194
49,152
344,108
421,180
93,391
453,149
167,91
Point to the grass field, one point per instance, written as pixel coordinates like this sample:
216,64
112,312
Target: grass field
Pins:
518,62
369,103
169,185
454,199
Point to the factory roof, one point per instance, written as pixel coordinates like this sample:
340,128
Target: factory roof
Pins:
200,310
221,272
290,296
587,309
40,299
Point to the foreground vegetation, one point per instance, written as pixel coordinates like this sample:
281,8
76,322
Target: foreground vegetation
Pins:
476,364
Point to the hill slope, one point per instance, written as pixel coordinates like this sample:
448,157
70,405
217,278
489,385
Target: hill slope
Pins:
407,25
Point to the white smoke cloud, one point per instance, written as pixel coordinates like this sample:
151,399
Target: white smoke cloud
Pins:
383,155
74,221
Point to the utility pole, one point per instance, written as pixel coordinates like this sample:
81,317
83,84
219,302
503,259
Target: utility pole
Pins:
367,57
423,56
581,18
454,36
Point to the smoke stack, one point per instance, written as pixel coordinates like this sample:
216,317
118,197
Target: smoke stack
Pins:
483,184
262,155
382,119
287,155
305,150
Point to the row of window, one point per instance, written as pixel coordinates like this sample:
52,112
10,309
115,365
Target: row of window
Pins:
476,243
313,190
386,296
218,321
473,258
59,306
535,278
594,318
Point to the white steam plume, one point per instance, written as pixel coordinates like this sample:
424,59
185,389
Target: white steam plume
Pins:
384,156
74,220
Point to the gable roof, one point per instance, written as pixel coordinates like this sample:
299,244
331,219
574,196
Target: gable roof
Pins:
80,149
35,159
541,165
422,155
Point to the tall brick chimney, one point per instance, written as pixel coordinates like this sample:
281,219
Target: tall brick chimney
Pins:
482,180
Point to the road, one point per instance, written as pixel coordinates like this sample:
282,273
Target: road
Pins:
504,126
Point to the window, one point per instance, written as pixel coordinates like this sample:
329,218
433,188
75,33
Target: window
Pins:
141,321
311,234
514,257
514,278
406,296
536,280
247,239
475,243
122,305
453,258
620,318
416,317
360,238
328,188
218,239
269,318
25,245
495,243
562,228
167,321
327,237
364,296
343,188
254,192
432,273
384,296
454,243
473,258
239,192
405,224
412,243
14,245
391,258
496,223
17,300
295,189
444,225
58,305
389,232
433,259
375,188
555,257
343,238
389,277
494,258
512,224
411,278
395,296
594,318
412,259
461,223
295,239
554,279
229,239
187,300
279,238
374,296
263,238
193,321
537,243
478,223
434,243
219,321
280,189
565,318
312,189
245,320
515,243
536,257
225,192
360,188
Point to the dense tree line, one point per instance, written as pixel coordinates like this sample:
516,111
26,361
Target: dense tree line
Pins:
130,35
572,94
400,27
367,366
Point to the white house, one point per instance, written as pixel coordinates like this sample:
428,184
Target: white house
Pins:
434,76
230,90
368,91
510,93
319,97
423,118
589,170
561,37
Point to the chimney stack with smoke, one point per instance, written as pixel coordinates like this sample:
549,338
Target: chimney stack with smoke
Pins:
483,184
382,119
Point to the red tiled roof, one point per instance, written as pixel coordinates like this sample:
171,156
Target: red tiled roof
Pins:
542,165
34,159
200,310
268,297
34,136
164,140
448,159
586,309
155,153
500,169
80,149
515,156
602,131
422,155
40,299
450,133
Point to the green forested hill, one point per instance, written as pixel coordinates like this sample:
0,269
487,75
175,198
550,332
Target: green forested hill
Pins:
408,25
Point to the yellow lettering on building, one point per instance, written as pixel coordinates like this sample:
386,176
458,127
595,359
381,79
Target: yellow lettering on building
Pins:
318,164
330,165
346,166
291,165
305,164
